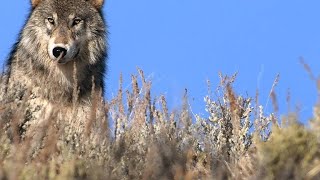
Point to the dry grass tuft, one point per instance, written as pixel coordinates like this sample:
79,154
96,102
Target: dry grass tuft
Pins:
146,140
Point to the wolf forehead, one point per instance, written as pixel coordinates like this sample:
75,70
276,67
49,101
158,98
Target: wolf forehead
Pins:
64,7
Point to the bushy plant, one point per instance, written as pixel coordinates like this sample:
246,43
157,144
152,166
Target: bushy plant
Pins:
147,140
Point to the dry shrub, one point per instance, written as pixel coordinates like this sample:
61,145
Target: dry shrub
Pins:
290,153
146,140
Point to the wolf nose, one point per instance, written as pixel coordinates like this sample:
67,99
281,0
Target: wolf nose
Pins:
57,51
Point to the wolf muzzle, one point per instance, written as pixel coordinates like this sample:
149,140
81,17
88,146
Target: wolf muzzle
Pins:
62,53
59,52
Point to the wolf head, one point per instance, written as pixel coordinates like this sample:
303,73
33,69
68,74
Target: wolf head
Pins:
58,36
68,29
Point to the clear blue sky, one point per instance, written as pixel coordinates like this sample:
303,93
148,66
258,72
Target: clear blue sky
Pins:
182,43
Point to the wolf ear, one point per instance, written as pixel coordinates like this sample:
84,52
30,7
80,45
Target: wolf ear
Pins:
35,3
96,3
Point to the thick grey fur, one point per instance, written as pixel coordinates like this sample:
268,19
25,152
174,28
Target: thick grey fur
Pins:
38,86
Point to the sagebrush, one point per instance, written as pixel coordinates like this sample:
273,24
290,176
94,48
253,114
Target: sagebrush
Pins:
148,141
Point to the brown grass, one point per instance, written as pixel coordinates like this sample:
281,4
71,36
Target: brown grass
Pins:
147,140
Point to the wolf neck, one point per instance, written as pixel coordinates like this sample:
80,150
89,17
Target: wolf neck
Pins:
56,83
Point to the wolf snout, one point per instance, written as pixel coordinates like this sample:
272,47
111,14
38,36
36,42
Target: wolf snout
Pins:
62,53
59,52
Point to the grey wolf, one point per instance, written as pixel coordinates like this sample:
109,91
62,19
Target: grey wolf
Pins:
57,66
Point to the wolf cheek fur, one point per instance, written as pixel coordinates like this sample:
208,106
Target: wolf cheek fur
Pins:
58,63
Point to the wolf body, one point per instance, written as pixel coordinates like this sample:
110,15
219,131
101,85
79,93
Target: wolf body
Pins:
56,68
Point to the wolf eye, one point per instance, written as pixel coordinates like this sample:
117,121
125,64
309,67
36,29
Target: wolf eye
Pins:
76,21
50,20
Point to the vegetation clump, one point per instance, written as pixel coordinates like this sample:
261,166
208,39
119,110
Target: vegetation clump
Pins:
146,140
